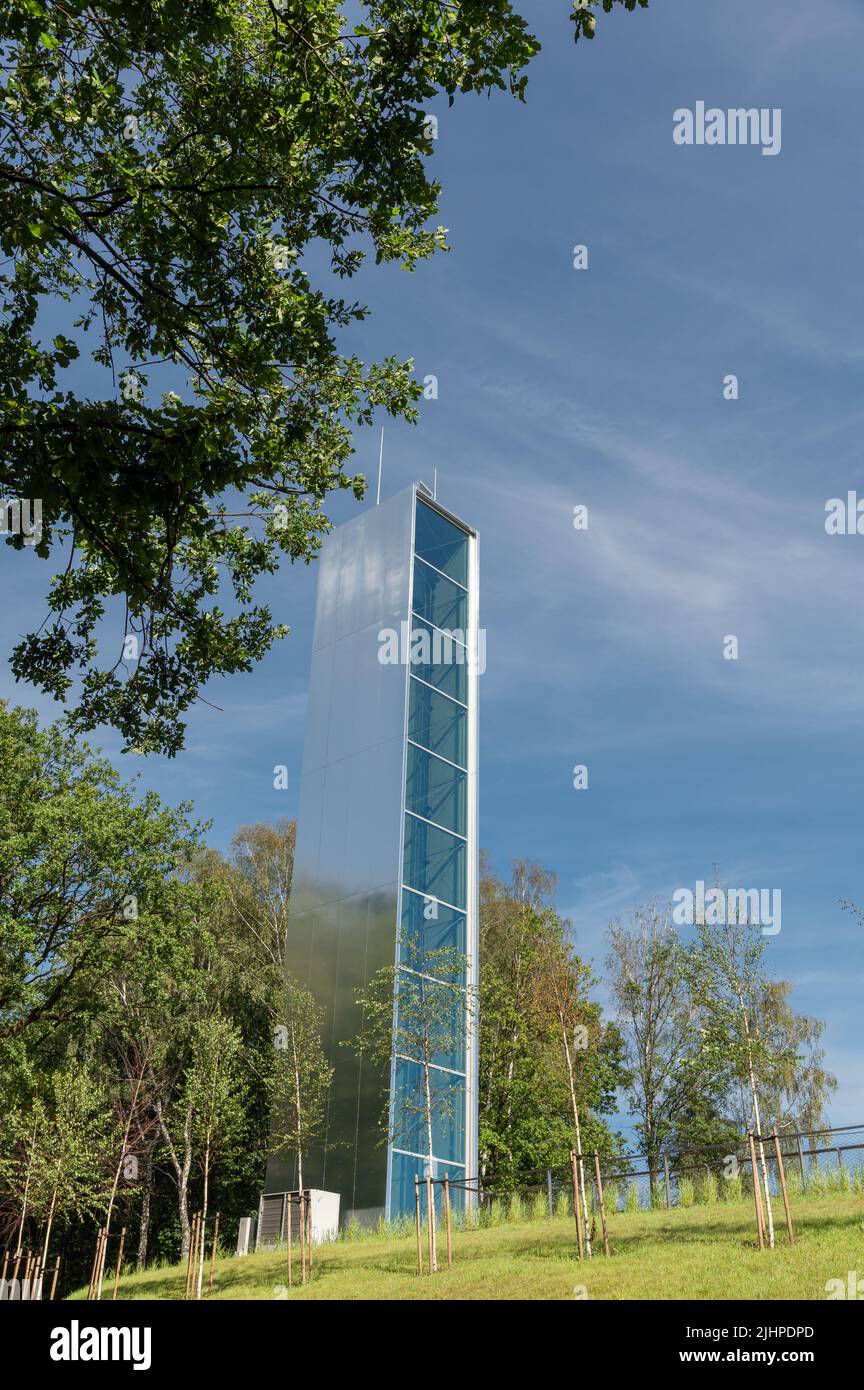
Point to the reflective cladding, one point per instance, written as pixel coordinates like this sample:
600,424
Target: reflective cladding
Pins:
438,599
438,723
434,861
441,543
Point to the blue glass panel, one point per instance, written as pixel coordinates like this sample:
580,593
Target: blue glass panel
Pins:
405,1168
439,600
441,543
438,723
436,1010
448,1119
428,925
434,862
435,789
438,660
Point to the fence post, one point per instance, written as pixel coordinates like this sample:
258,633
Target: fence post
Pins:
757,1192
801,1161
782,1175
666,1182
549,1191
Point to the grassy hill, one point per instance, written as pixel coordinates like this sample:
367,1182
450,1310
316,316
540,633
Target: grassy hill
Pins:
696,1252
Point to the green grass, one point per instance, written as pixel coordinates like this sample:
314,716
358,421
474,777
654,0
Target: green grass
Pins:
696,1252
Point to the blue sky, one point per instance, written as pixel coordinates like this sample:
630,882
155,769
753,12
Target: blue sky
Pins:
706,517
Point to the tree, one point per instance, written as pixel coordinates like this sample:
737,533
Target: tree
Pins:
89,880
301,1076
561,985
71,1150
796,1090
418,1013
525,1104
656,1016
724,974
259,890
214,1092
164,169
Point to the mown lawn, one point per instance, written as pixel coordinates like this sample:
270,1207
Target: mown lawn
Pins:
698,1252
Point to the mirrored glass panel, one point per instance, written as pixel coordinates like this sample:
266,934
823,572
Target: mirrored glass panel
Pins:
406,1168
438,660
441,543
435,789
434,861
431,1018
438,599
448,1111
428,925
438,723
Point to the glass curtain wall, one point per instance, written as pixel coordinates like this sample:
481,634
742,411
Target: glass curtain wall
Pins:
434,888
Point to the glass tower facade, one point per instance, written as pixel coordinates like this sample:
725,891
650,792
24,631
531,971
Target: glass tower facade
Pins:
386,858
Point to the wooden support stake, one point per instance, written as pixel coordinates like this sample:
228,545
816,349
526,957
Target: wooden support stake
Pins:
18,1257
601,1202
576,1202
213,1254
757,1191
781,1171
103,1255
289,1233
199,1267
35,1278
302,1242
308,1197
447,1219
3,1275
190,1262
93,1266
119,1263
54,1280
666,1182
417,1222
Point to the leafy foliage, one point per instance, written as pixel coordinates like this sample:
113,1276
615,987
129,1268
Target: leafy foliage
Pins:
165,171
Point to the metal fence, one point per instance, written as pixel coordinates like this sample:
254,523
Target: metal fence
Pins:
824,1160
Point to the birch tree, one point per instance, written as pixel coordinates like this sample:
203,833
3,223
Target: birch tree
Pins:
301,1076
726,979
